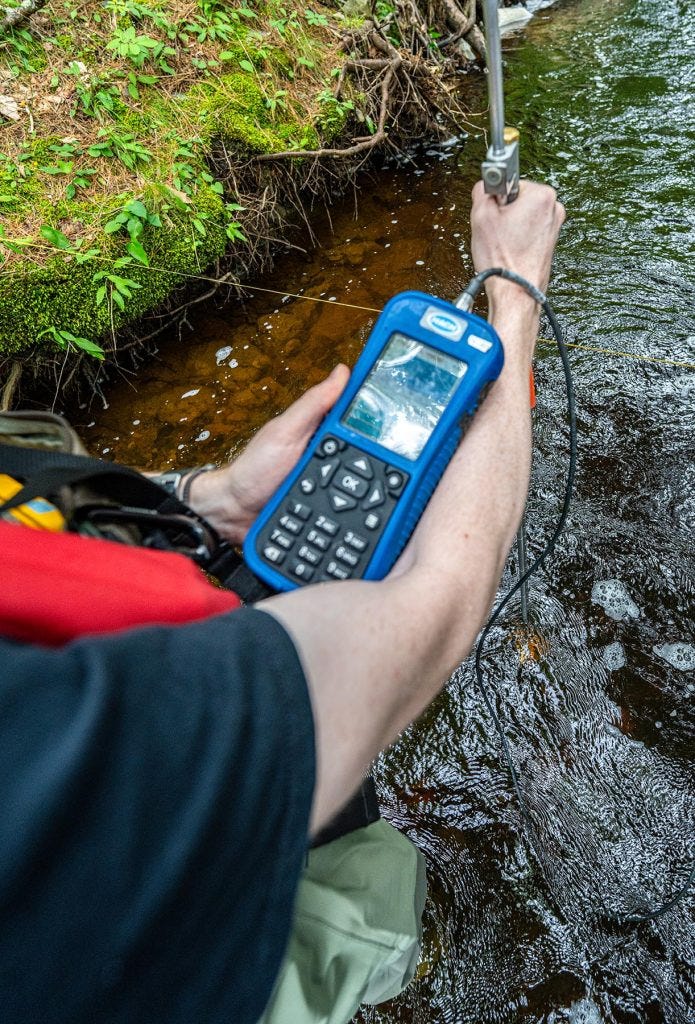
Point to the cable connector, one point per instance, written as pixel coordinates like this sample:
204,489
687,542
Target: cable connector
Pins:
475,285
465,301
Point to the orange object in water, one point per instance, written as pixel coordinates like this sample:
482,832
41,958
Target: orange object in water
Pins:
532,384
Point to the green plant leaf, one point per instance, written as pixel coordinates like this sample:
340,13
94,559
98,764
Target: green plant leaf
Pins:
137,208
55,237
246,65
137,252
90,347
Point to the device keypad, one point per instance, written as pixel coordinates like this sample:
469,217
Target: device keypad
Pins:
329,524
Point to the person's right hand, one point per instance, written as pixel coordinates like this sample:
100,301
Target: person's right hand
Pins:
520,236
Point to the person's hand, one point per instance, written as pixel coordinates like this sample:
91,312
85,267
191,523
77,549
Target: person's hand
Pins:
231,498
520,236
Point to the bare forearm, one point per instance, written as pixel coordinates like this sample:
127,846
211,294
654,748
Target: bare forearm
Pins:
376,654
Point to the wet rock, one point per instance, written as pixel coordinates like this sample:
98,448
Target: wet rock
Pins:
466,50
222,354
585,1011
513,19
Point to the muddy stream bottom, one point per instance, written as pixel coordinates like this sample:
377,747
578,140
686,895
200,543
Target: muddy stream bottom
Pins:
597,695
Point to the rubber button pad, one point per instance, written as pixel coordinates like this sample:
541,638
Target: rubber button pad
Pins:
337,538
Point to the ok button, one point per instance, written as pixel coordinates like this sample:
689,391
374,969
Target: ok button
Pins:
351,484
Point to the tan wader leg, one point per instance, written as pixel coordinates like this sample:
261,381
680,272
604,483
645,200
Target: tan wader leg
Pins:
357,928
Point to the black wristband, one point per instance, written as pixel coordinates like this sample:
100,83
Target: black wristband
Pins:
184,488
178,481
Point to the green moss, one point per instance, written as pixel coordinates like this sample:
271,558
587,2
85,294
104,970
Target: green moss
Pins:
231,104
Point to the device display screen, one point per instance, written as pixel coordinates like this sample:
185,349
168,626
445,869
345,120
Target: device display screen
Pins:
404,396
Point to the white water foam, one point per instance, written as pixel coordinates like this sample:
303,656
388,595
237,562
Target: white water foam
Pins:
680,655
613,597
614,657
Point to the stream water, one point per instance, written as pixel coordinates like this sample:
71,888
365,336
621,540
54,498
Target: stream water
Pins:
597,696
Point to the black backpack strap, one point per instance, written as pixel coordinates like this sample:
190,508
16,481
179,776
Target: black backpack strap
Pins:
234,574
45,472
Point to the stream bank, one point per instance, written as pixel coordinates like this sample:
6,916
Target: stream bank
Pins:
155,152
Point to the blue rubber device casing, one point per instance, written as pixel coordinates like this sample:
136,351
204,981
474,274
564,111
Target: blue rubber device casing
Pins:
435,323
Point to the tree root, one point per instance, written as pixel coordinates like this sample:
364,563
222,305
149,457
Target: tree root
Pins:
404,81
10,386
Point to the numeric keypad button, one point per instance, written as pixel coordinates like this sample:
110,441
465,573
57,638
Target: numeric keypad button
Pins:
308,554
297,508
291,524
281,539
355,541
339,572
328,526
345,555
319,540
274,554
307,485
301,570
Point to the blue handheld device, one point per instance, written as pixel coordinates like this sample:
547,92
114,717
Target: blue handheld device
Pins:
348,507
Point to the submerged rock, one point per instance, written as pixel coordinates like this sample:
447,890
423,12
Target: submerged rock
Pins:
585,1011
614,657
512,19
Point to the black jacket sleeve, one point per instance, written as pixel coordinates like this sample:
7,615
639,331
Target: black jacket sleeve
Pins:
155,788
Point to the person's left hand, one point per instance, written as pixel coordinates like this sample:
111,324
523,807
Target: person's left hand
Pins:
231,498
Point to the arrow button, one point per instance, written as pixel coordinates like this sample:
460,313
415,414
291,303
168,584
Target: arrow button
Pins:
361,465
376,496
341,502
326,471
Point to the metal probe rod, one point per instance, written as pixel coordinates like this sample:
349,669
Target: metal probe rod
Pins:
521,553
500,172
493,47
